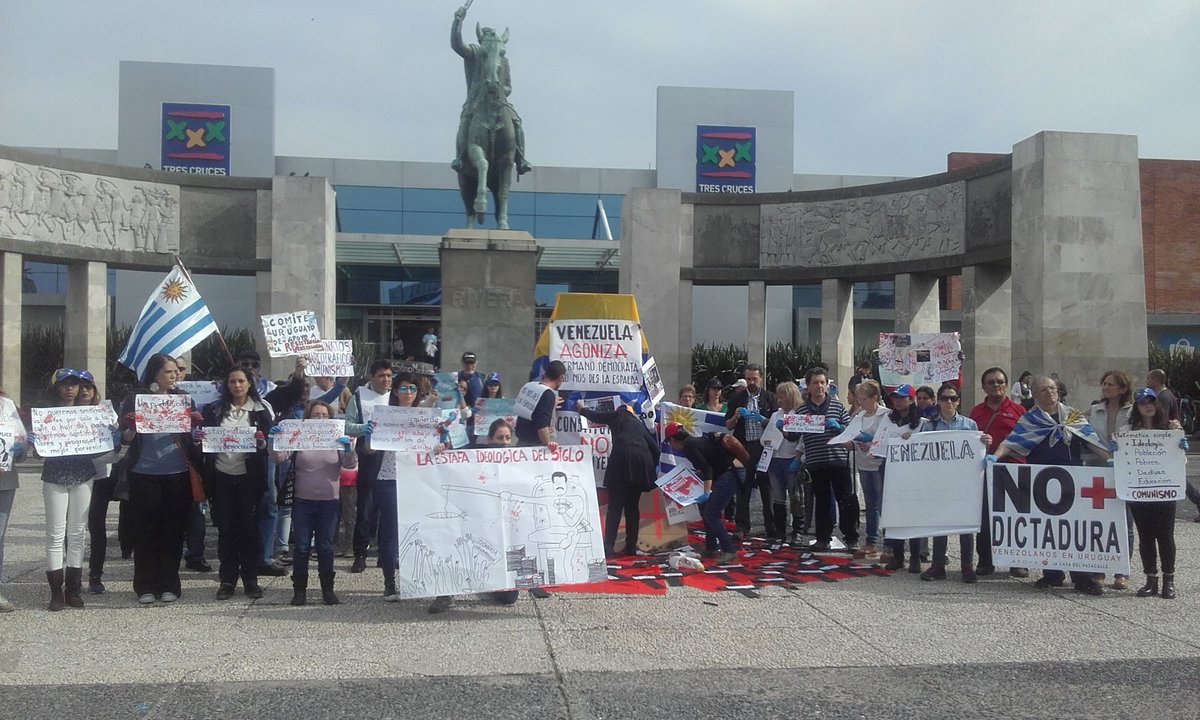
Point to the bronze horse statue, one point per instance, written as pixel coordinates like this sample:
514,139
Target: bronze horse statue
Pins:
489,142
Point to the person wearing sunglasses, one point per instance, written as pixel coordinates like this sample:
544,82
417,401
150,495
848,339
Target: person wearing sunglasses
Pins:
996,416
948,418
404,394
9,481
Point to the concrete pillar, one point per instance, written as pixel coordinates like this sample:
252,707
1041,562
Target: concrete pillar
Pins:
86,342
656,241
303,256
488,277
756,323
11,278
986,326
262,306
917,309
837,328
1079,297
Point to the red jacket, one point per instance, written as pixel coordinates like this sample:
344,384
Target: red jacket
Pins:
998,423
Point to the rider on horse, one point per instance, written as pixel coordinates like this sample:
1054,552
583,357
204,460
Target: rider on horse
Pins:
476,87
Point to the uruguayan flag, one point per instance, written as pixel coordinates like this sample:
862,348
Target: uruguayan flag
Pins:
174,321
695,421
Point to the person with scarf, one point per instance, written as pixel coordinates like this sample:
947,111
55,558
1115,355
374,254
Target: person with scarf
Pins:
1053,433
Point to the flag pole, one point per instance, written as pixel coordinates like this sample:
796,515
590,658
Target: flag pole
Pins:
220,337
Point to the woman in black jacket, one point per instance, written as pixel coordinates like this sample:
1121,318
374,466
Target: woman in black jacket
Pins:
632,469
236,482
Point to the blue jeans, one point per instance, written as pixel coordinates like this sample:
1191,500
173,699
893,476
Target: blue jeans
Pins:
777,473
268,514
389,537
6,503
311,517
712,511
872,485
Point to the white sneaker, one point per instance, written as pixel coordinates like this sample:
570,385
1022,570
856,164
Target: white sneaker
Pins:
169,597
6,605
146,599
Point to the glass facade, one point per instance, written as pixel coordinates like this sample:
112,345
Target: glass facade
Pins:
42,278
428,211
877,295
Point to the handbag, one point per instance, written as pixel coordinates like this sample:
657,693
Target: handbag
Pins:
194,480
287,492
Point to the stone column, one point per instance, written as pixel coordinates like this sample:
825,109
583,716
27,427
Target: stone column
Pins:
837,328
303,257
656,241
756,324
986,326
1079,296
488,277
917,309
11,279
86,342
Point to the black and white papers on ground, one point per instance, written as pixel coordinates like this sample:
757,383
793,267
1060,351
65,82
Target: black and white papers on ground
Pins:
604,355
1150,465
1056,517
291,333
497,518
934,484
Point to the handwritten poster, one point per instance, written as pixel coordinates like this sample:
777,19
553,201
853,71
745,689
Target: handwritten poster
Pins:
603,355
1150,465
237,439
74,430
335,358
570,428
162,413
497,518
405,428
919,358
489,410
202,392
808,424
682,484
934,484
528,398
309,435
292,333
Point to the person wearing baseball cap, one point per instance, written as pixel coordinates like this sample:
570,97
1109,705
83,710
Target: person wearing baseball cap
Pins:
714,464
472,377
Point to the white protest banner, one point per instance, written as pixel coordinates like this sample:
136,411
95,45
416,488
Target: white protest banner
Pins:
291,333
654,382
202,392
74,430
497,518
808,424
162,413
404,428
527,399
919,358
7,438
368,400
1150,465
568,427
603,355
883,437
571,429
682,484
335,358
236,439
934,484
489,410
317,434
1056,517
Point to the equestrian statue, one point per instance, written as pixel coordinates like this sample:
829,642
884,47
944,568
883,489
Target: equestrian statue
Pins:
490,140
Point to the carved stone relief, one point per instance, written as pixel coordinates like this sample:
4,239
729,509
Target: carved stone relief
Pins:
74,208
911,225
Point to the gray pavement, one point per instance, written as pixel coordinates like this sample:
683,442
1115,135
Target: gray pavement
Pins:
866,647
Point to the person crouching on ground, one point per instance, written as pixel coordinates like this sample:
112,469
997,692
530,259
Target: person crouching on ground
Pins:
712,456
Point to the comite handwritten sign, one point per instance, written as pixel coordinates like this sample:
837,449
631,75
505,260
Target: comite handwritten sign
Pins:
319,434
75,430
291,333
1149,465
162,413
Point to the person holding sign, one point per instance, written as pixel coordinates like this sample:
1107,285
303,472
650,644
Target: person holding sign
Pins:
1155,519
404,394
236,482
1107,416
829,465
315,506
160,491
712,455
535,406
907,418
783,462
746,415
872,420
996,416
632,469
67,492
358,413
11,421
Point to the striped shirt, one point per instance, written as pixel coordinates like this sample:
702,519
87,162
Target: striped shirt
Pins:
817,450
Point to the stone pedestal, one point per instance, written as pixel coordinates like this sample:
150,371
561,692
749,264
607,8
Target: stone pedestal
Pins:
11,277
1078,288
86,341
837,328
986,324
488,279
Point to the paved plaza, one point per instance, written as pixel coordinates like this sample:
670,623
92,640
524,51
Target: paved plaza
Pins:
891,647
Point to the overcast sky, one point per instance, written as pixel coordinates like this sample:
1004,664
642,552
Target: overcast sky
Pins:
885,88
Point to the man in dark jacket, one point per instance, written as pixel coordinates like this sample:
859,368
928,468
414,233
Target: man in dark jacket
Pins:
746,416
714,464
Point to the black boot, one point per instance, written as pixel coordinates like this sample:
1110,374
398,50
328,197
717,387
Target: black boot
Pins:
1168,589
57,601
299,589
781,521
327,595
74,587
1150,589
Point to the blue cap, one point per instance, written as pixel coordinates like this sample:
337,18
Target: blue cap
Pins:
493,378
904,390
1144,394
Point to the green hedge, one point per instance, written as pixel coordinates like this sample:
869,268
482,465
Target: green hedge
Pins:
785,361
1183,370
